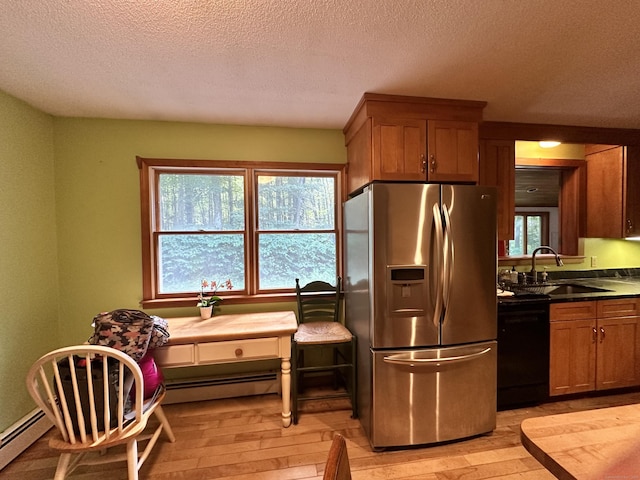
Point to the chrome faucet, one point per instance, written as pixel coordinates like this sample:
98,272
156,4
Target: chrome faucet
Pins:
534,274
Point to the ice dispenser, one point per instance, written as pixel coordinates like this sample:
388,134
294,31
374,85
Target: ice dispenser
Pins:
407,291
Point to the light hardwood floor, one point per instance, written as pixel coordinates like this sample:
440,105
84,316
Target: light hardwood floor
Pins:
243,438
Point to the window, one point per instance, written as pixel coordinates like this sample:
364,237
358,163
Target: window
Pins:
531,230
261,225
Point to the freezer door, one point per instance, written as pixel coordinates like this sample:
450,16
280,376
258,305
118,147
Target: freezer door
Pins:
470,265
432,395
403,284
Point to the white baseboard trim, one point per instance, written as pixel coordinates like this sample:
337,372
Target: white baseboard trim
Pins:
18,437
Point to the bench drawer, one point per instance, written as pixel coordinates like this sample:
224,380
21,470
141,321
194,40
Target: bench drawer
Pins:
237,350
175,355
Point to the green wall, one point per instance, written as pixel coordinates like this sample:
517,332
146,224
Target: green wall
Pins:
610,253
28,261
98,198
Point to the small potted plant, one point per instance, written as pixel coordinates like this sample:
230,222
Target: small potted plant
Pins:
209,301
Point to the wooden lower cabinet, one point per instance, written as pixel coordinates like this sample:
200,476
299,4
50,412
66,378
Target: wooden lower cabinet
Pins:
594,345
617,353
572,366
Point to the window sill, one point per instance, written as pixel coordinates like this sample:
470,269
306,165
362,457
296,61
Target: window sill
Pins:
545,259
230,300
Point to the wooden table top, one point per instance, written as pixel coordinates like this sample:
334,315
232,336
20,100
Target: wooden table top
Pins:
583,445
186,330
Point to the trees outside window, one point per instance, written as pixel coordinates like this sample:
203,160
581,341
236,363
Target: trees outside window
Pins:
261,225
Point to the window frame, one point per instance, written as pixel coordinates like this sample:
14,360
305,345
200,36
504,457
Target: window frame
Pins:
544,234
150,168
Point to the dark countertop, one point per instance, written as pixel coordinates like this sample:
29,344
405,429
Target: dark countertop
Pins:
619,283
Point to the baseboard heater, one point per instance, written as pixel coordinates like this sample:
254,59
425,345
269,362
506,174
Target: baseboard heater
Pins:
18,437
209,388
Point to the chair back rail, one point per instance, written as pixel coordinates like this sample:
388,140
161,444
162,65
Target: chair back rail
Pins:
71,403
318,301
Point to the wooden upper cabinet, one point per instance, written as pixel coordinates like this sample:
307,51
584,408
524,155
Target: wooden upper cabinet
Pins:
452,154
392,137
399,149
613,196
498,169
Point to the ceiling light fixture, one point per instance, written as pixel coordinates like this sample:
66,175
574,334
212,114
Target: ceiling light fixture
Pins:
548,143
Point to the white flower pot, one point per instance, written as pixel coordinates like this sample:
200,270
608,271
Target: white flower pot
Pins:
206,312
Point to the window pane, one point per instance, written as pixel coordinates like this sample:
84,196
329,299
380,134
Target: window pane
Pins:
516,245
184,260
296,203
285,257
201,202
534,232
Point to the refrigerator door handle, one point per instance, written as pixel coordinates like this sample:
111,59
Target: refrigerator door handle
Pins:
405,359
449,258
439,271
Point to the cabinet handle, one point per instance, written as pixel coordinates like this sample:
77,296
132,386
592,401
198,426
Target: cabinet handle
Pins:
595,335
433,164
423,163
629,226
601,334
239,352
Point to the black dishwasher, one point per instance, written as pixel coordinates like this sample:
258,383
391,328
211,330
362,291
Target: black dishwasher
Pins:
523,352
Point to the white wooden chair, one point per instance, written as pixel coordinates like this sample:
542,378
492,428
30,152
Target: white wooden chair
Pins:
72,398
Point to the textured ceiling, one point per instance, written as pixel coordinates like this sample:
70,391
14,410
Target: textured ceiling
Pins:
306,63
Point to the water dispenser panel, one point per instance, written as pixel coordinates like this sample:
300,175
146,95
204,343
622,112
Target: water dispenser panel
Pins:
407,291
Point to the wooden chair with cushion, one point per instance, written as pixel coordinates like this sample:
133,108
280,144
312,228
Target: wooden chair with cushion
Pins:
319,327
337,466
72,385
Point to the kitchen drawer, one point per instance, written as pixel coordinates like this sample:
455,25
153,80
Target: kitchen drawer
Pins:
619,307
237,350
572,311
175,355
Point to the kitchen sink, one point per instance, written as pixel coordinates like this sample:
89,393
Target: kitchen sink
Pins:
545,290
570,289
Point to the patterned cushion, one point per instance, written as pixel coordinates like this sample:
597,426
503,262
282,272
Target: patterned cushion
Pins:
322,332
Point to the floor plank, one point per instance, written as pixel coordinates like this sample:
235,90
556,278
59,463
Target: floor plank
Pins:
243,438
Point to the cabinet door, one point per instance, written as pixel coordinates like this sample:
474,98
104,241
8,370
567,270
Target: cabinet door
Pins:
604,193
618,353
399,148
572,366
498,169
632,194
453,151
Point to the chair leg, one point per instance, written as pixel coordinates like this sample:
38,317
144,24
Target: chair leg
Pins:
354,377
63,466
132,459
165,423
336,373
294,382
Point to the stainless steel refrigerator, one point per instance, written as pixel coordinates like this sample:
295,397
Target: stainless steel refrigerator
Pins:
420,273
